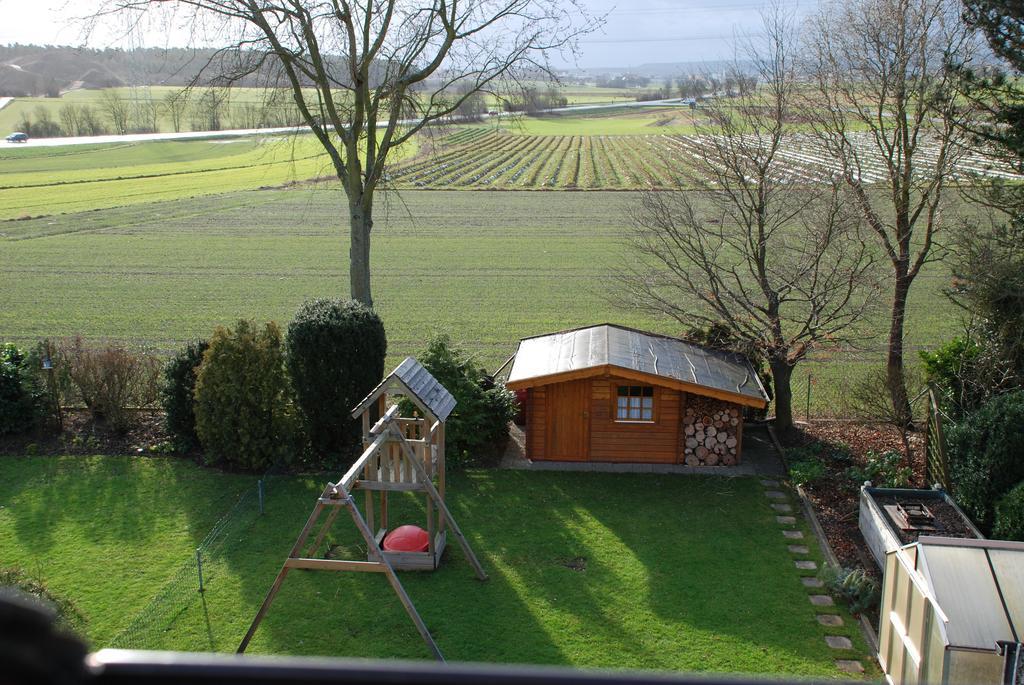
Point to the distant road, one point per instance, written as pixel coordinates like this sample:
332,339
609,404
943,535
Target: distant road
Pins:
609,105
144,137
242,132
5,101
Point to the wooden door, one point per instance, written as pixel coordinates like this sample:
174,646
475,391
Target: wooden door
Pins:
568,422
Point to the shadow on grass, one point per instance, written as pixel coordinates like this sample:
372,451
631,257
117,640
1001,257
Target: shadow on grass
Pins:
113,499
107,531
350,614
607,570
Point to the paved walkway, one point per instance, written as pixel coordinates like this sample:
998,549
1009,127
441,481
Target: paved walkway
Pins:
759,458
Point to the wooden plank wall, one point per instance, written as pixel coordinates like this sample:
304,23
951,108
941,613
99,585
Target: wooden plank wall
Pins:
610,440
661,442
536,418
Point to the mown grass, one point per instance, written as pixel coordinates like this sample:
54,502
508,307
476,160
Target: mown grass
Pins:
681,573
488,268
106,532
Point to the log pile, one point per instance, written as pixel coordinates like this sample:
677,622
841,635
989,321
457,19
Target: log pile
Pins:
711,433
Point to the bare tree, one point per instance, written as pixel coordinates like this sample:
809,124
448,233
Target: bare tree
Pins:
145,113
117,109
886,109
90,122
210,109
780,264
174,105
369,75
71,119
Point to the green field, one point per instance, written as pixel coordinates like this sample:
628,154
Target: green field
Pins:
43,181
678,573
489,268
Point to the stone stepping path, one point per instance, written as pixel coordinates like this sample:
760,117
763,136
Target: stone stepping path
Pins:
838,642
849,666
785,517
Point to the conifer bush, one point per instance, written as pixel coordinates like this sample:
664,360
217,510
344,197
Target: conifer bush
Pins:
335,353
21,395
243,408
177,394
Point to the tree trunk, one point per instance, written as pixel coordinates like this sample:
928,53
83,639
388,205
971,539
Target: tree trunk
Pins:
782,374
361,221
894,375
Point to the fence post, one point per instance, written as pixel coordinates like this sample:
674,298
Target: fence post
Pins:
199,566
259,493
807,413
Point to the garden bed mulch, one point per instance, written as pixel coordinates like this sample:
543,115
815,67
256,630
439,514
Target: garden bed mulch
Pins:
83,435
835,497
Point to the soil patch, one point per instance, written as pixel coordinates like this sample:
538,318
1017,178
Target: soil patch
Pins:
836,496
83,435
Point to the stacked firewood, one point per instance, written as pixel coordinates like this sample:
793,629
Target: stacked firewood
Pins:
711,432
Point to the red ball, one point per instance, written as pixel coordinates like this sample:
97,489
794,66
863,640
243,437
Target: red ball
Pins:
407,539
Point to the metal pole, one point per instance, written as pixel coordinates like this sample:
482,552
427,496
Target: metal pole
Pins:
259,492
199,567
808,412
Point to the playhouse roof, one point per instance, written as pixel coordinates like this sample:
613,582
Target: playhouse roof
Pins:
978,585
412,380
594,350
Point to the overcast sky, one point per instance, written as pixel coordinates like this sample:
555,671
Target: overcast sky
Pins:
636,32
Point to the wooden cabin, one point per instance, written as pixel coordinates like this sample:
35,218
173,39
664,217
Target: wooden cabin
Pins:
613,394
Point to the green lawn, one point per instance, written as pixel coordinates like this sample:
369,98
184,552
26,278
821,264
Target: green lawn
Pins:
681,573
106,532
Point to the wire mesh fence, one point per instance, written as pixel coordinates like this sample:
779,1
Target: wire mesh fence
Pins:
824,389
197,571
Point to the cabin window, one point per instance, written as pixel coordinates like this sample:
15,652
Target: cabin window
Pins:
635,403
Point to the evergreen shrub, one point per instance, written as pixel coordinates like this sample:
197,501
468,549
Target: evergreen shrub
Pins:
335,353
243,409
177,394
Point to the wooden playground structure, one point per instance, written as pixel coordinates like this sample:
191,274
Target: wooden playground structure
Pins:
399,455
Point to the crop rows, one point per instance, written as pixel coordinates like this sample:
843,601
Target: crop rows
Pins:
485,158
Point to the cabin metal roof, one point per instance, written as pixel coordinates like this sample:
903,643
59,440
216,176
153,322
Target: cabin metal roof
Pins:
978,584
608,345
415,382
